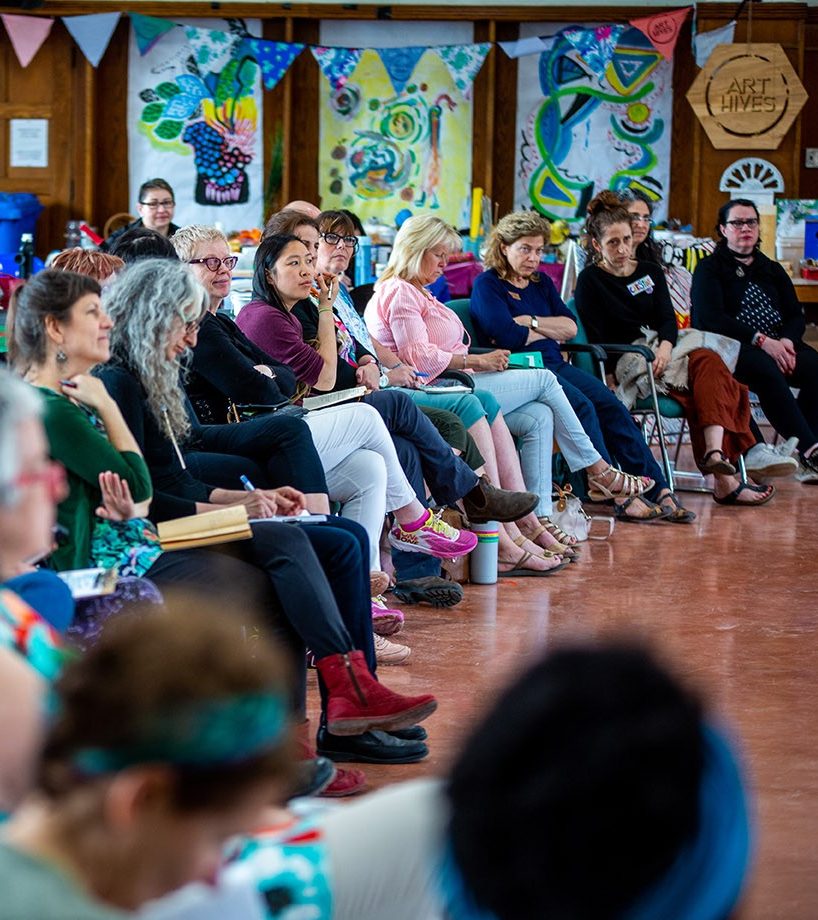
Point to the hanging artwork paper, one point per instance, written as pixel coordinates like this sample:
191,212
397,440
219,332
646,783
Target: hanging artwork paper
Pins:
580,131
384,151
194,119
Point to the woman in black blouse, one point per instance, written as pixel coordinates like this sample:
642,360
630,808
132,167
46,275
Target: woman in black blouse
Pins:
740,292
618,297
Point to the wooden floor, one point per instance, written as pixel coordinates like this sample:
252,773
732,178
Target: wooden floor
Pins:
731,602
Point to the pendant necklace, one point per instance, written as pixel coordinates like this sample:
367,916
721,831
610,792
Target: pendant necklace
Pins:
739,271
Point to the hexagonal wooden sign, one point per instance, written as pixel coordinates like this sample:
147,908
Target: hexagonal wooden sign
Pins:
747,96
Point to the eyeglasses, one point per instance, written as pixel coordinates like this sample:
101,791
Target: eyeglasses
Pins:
193,325
153,205
213,264
52,476
641,219
750,222
351,242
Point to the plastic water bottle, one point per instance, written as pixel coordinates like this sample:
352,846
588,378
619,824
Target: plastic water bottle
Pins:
483,559
363,261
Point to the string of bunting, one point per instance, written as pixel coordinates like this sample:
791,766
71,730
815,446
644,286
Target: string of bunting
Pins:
214,48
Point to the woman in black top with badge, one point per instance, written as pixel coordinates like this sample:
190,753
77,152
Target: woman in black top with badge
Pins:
618,297
740,292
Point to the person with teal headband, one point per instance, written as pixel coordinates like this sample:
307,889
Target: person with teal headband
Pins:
166,739
594,789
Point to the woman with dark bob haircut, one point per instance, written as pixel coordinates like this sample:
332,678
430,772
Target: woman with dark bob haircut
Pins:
740,292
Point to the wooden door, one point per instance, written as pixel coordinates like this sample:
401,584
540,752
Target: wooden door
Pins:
57,86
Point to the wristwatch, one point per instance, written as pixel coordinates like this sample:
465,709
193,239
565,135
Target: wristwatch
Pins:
383,381
535,323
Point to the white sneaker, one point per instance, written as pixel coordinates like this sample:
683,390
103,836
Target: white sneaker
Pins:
765,462
387,652
786,448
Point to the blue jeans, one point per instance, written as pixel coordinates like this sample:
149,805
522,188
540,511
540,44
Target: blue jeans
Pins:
610,425
423,455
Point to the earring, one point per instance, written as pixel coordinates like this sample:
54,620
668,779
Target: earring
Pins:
61,357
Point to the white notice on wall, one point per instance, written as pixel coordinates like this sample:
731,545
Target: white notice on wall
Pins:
28,142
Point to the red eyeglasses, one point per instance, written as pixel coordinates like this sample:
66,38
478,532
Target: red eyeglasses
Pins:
52,476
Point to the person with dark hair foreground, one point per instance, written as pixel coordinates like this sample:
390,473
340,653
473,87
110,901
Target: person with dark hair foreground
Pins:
167,738
593,789
740,292
141,243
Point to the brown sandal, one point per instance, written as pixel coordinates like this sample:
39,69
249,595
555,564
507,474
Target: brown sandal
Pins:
624,485
556,549
716,461
545,553
518,570
559,534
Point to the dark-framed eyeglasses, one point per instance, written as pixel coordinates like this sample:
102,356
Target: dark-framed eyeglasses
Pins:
641,219
192,325
751,222
351,242
213,263
153,205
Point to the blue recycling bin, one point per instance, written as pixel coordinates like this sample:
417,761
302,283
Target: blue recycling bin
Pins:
811,237
18,215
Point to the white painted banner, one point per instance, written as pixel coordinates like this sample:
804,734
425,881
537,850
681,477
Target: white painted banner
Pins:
195,120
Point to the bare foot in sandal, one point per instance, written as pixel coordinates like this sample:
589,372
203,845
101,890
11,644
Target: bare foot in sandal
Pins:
606,482
541,537
530,564
638,510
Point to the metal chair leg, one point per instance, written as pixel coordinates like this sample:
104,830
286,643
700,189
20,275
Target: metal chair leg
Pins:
660,428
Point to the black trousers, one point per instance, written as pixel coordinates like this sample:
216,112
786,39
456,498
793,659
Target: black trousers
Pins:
309,583
791,417
279,445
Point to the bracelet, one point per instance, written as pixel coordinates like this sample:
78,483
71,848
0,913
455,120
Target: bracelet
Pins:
465,362
395,366
325,310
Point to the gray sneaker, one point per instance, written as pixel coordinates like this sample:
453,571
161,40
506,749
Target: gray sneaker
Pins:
786,448
765,462
806,474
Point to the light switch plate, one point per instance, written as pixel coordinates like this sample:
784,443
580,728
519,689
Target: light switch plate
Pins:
811,158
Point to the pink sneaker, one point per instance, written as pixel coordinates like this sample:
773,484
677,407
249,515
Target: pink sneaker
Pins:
386,621
435,538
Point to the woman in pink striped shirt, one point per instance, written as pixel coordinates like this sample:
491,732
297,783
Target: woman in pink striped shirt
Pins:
428,336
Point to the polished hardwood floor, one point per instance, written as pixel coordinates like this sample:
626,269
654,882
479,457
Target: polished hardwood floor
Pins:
730,602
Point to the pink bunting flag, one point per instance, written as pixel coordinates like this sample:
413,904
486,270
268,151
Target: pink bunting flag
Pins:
663,29
27,33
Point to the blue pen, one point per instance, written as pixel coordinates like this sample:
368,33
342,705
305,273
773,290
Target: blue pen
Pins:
420,374
248,486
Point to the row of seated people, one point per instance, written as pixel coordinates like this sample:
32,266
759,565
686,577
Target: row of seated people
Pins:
167,755
344,453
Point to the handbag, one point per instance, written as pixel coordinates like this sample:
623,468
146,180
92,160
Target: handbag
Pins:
243,412
569,515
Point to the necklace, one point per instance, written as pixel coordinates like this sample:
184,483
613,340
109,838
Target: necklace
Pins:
739,271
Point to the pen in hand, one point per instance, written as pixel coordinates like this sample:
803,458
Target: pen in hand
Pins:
248,486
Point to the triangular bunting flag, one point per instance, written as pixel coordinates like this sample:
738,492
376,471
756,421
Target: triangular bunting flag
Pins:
337,64
148,30
463,63
273,58
213,49
92,33
705,42
27,33
662,29
595,46
400,64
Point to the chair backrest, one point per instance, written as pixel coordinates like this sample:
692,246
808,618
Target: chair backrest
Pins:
461,308
584,362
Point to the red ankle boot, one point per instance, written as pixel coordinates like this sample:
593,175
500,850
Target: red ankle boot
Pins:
358,703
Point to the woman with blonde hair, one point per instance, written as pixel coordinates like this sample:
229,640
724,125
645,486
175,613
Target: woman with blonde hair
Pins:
405,317
516,306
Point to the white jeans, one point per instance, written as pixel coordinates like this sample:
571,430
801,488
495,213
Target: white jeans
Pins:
537,410
362,468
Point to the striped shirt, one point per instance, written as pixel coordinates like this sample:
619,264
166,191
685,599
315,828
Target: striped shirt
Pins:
423,332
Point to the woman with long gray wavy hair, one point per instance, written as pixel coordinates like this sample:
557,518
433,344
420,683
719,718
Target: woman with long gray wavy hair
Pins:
101,426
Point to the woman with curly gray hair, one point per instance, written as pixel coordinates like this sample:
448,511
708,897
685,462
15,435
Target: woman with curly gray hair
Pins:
102,426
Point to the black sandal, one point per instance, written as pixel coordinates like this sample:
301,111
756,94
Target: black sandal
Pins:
734,497
657,513
677,514
715,461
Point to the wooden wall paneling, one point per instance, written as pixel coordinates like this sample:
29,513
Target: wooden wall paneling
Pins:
503,142
111,130
301,137
685,148
769,25
48,88
276,101
809,116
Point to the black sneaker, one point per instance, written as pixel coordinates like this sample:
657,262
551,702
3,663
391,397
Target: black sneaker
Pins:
370,747
431,589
